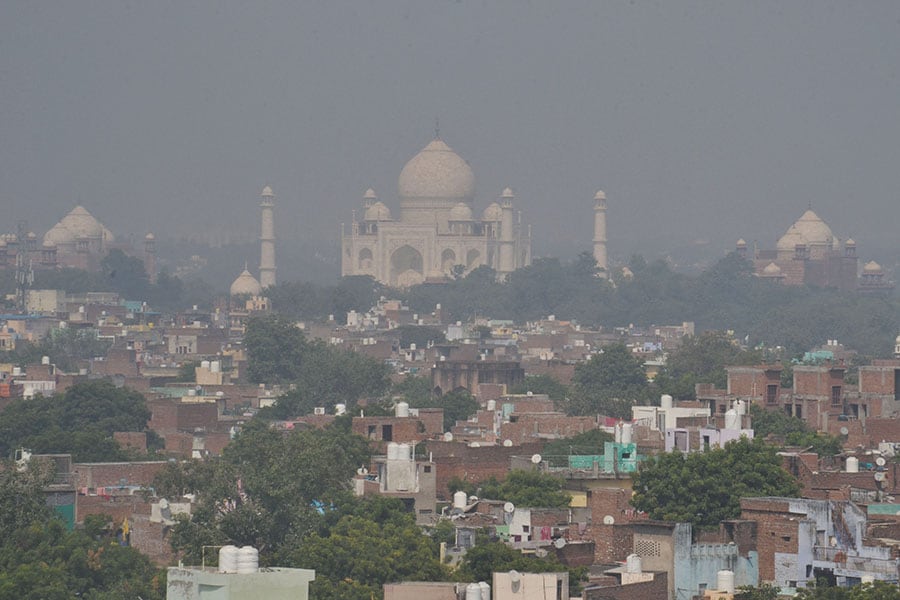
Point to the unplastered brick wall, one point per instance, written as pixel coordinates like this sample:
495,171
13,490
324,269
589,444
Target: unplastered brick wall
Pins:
94,475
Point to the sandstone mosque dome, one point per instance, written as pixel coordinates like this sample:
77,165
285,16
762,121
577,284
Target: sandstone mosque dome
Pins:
246,283
438,173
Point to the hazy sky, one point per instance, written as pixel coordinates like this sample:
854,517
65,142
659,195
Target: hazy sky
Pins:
700,120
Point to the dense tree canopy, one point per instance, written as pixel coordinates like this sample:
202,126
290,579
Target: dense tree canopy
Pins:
522,488
63,346
544,384
704,488
458,405
610,383
484,559
702,359
791,431
879,590
41,560
81,422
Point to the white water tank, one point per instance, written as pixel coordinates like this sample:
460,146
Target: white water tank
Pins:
633,563
228,559
732,420
485,590
627,433
473,591
459,499
45,360
617,432
404,451
393,451
204,364
665,401
248,560
725,582
340,409
401,410
215,366
492,405
852,464
741,407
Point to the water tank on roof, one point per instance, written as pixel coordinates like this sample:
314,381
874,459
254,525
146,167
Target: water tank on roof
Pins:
725,581
340,409
492,405
228,559
665,401
485,590
204,364
627,433
402,409
732,419
852,464
404,451
248,560
215,366
473,591
741,407
633,563
393,451
45,360
459,500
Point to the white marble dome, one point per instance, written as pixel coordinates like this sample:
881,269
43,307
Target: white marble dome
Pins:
461,212
790,240
437,172
493,212
814,229
246,283
378,212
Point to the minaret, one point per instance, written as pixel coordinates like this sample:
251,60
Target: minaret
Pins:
267,239
150,257
507,239
600,233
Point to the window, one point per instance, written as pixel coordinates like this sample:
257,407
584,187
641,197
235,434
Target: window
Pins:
372,432
387,433
771,394
835,395
428,468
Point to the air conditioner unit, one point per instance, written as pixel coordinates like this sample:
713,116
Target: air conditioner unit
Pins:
319,410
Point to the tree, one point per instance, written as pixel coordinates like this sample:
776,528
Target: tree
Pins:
702,359
275,348
704,488
527,489
792,431
81,421
486,558
458,405
762,592
544,384
125,274
878,590
610,383
266,488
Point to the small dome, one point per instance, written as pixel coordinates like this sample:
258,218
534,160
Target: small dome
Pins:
600,195
370,195
850,242
772,270
492,212
246,283
741,243
461,212
31,235
48,244
872,267
507,193
790,240
378,212
267,192
437,172
149,237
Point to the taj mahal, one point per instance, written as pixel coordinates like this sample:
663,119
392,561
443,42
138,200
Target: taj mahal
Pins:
436,234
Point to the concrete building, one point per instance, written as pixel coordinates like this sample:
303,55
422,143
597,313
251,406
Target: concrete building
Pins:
436,235
198,583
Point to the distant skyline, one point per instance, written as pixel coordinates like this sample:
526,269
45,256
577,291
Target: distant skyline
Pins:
702,122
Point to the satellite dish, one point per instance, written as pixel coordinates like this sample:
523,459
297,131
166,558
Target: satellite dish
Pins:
448,437
509,507
560,543
880,461
507,443
540,553
609,520
844,431
536,459
879,476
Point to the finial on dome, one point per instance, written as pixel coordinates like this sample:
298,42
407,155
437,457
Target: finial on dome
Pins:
437,128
